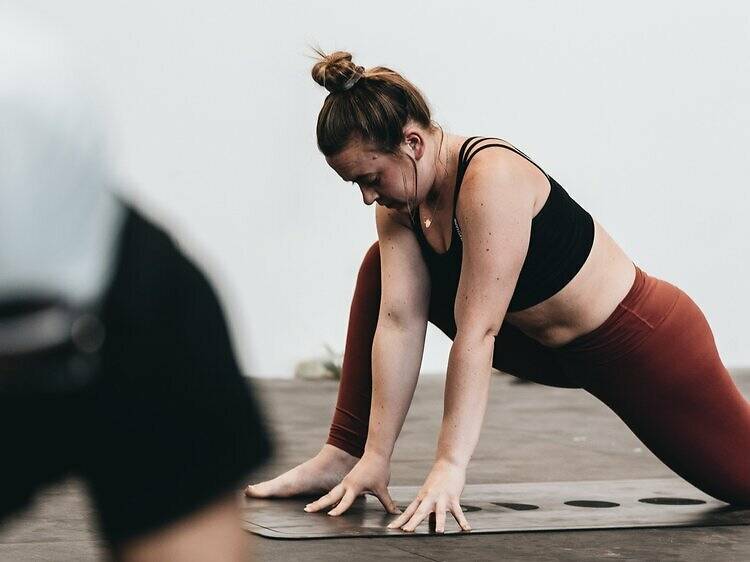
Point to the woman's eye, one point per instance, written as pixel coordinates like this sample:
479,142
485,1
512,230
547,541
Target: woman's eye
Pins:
371,182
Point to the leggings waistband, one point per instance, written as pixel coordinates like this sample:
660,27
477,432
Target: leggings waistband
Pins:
647,300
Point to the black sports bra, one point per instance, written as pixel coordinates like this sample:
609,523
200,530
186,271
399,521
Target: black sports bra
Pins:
562,235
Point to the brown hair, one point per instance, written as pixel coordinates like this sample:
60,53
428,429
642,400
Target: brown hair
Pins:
374,104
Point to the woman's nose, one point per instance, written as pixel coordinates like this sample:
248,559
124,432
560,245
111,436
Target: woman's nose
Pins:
369,196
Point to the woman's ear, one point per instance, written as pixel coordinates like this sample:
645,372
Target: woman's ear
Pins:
414,144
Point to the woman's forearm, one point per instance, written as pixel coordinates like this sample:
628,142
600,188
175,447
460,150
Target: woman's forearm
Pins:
466,391
396,359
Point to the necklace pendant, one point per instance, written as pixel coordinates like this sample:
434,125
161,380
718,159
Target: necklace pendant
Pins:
427,223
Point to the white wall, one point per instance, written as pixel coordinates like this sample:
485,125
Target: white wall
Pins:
639,109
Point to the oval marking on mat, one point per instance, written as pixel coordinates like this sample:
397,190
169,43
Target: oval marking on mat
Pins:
591,503
671,501
516,506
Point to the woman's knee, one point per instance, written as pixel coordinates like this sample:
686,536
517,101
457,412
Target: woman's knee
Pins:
372,257
369,270
736,490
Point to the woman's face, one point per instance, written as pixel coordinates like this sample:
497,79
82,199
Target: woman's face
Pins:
382,178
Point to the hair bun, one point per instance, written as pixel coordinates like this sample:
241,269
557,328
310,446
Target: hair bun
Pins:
336,72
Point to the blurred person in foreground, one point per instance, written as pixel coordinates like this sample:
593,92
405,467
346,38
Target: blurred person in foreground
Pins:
115,360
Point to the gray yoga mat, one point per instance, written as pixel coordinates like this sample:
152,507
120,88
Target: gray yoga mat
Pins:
503,508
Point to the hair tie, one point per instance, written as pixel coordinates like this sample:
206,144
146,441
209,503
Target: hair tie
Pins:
358,73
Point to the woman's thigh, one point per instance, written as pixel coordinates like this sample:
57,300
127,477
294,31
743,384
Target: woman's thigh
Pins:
657,367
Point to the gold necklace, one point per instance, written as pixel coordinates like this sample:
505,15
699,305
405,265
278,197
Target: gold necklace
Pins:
428,221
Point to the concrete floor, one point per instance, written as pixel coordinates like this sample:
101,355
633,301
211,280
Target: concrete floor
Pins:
531,433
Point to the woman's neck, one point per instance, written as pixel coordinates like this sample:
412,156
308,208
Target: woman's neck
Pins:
446,168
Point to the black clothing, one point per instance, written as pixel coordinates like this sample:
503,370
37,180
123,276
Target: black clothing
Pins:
562,235
167,425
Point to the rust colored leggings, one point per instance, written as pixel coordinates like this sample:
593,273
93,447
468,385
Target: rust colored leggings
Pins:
654,362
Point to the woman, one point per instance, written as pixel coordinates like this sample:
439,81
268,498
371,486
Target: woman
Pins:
477,239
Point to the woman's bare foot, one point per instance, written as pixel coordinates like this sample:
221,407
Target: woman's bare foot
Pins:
314,476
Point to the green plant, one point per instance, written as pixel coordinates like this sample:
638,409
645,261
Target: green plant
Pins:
334,361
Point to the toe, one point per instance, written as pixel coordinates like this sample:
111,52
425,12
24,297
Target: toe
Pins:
256,490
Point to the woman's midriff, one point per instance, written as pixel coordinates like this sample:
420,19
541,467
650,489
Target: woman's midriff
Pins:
586,301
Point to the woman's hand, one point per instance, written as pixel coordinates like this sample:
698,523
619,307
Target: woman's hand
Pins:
370,475
440,493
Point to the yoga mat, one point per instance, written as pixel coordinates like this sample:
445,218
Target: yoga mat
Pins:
503,508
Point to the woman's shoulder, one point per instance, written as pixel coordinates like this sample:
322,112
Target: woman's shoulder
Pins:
499,180
492,155
495,164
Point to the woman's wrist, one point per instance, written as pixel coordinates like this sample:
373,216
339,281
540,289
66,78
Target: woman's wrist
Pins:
377,453
452,461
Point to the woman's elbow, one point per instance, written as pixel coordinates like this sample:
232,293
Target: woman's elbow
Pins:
477,336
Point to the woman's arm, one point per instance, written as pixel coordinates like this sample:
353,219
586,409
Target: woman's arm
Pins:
495,210
400,334
396,358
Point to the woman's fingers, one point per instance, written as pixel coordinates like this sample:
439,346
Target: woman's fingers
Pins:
329,499
345,503
458,513
422,511
418,511
404,517
388,503
440,517
408,521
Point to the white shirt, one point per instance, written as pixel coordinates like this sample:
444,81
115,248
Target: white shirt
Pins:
59,223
